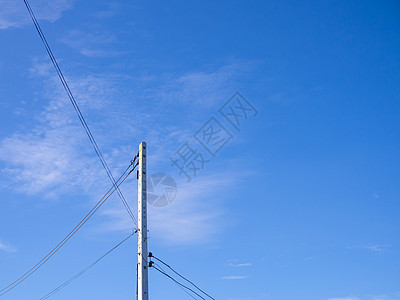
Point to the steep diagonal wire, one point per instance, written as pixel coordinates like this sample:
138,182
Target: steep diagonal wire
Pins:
177,282
18,281
65,283
77,110
182,276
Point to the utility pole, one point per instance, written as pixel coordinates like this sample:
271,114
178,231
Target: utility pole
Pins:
142,265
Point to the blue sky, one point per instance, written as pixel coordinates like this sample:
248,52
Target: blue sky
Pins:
301,203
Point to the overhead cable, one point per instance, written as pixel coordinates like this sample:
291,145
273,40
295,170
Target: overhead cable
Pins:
183,289
18,281
77,110
177,282
152,256
65,283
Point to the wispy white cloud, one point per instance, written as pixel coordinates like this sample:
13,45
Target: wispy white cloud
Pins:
205,88
43,161
100,44
194,217
55,156
111,10
7,247
240,265
14,14
373,248
234,277
377,248
308,258
387,296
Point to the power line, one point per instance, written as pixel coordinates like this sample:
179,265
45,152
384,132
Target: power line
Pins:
179,285
68,236
151,255
177,282
77,110
65,283
120,180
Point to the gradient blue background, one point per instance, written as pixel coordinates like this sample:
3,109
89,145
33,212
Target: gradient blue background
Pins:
303,203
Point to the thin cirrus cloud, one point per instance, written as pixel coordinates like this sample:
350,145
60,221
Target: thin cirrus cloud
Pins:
7,247
203,88
194,217
240,265
61,159
378,248
58,148
98,44
54,155
388,296
13,14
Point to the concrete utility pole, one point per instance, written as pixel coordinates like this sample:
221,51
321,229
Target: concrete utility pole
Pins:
142,265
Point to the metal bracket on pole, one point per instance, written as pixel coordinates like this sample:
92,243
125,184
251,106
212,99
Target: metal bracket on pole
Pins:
142,265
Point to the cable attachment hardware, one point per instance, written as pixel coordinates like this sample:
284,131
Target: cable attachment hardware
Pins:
134,159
